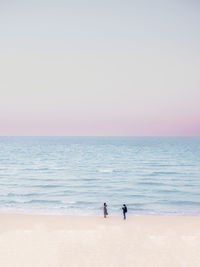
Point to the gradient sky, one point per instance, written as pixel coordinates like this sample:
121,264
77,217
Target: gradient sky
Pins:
100,67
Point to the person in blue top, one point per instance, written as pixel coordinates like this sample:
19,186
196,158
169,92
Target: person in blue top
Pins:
124,209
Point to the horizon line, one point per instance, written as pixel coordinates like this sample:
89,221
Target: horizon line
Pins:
168,136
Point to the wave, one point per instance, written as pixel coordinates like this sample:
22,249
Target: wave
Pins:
89,179
36,169
106,170
191,185
182,202
32,201
45,186
162,173
39,201
42,179
152,183
22,194
168,191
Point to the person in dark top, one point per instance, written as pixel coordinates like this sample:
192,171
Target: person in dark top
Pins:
124,209
105,212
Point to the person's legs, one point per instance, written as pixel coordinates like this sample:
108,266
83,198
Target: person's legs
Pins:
124,215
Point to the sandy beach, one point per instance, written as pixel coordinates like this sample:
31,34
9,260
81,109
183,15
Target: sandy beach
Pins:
60,241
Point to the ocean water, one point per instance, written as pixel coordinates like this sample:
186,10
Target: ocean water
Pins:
75,175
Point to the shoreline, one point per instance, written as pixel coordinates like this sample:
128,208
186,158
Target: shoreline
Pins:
100,214
54,240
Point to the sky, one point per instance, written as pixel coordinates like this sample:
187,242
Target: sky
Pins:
84,68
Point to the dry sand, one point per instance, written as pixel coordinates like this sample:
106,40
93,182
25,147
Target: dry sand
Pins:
61,241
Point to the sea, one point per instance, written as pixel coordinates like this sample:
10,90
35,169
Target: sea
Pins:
76,175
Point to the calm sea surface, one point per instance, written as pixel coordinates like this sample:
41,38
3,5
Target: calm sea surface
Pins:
75,175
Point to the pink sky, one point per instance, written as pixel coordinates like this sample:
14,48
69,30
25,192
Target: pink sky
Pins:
100,69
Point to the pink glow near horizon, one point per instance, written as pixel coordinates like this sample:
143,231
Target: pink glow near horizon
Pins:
117,128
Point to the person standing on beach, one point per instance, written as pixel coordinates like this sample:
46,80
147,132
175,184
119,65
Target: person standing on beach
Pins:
124,209
105,212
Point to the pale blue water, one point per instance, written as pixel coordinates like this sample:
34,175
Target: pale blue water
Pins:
75,175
